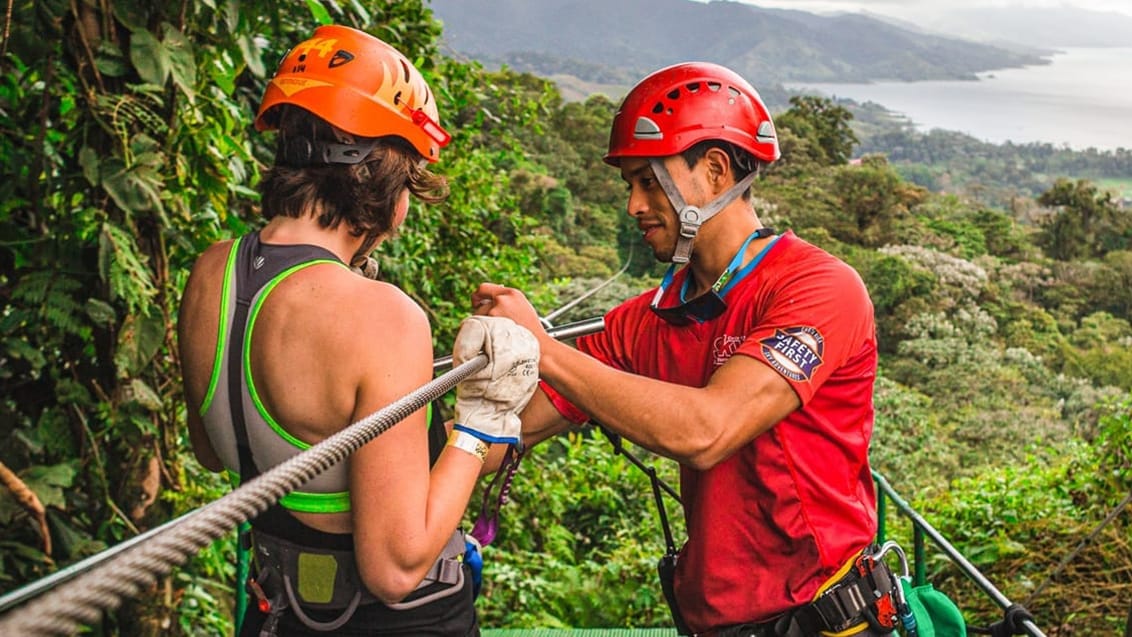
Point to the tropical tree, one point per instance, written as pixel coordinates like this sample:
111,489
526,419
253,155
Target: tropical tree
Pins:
824,124
1085,223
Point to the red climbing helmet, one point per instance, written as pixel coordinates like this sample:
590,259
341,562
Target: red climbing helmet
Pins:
359,84
674,108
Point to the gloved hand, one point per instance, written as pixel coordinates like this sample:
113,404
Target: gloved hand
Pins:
488,402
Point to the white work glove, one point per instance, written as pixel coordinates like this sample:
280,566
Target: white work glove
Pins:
488,402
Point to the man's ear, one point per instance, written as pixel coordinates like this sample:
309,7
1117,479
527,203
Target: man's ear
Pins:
719,170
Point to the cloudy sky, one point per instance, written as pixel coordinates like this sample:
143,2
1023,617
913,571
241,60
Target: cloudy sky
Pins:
901,8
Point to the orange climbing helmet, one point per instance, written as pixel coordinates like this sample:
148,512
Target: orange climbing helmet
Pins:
678,106
359,84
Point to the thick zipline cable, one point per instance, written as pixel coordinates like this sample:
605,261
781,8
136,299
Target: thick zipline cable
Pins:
82,600
560,333
548,320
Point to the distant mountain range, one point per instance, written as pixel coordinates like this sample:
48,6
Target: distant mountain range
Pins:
616,42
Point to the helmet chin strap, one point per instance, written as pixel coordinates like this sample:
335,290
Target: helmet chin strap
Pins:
692,217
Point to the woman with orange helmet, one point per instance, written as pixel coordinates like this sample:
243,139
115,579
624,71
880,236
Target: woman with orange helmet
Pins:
283,344
752,366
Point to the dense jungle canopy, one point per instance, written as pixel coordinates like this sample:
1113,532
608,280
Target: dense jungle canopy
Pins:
127,147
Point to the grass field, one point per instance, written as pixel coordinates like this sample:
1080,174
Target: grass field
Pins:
1122,188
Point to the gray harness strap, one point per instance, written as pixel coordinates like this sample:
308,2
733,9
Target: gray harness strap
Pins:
448,569
298,577
691,217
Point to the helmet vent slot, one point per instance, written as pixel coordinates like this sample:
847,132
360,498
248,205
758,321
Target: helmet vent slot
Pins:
694,87
404,70
714,87
647,129
674,94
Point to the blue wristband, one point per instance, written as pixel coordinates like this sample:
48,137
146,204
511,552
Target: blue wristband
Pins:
511,440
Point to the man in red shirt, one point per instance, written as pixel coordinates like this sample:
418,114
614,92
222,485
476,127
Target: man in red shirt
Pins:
752,366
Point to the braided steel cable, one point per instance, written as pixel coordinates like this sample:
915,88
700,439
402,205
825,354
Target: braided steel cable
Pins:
81,601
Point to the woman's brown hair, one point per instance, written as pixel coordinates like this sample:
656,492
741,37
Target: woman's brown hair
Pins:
364,195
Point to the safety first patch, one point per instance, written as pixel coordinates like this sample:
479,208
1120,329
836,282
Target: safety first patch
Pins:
795,352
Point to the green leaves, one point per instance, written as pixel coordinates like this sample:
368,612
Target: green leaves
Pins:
49,483
110,61
134,188
156,60
319,12
124,269
579,547
139,340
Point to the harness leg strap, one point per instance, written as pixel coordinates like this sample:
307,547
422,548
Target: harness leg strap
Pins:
324,627
440,594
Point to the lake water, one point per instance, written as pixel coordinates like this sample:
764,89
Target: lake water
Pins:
1082,99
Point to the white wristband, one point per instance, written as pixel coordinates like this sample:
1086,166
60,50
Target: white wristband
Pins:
465,441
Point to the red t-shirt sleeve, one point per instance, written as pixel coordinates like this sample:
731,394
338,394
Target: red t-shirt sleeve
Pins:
601,345
622,329
817,316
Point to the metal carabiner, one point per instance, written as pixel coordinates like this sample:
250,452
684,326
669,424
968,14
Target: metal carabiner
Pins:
903,609
891,546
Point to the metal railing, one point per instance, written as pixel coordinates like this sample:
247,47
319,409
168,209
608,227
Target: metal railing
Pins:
921,530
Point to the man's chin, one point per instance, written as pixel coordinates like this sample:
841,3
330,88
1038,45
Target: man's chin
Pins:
661,253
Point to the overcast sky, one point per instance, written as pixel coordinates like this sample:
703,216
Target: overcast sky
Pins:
901,8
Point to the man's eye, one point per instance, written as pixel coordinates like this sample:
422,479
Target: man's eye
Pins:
644,183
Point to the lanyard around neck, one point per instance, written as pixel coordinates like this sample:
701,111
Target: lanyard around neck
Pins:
727,277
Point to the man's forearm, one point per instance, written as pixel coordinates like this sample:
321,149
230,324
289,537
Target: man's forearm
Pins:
657,415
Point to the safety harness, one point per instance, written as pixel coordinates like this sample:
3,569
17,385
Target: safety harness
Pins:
867,593
292,576
295,566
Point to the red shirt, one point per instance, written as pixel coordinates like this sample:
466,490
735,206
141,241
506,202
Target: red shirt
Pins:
767,526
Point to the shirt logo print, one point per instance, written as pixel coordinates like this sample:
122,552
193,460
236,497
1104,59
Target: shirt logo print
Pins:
794,352
723,347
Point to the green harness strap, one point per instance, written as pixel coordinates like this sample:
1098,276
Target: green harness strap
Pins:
243,568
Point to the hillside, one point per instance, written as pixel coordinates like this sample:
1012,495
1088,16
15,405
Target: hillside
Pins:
593,40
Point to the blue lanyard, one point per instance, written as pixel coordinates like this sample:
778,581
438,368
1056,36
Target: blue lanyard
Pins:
731,275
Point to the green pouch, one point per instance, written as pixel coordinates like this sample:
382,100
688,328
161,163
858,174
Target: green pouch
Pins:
936,615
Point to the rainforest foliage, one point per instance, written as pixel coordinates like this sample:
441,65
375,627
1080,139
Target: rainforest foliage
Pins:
126,139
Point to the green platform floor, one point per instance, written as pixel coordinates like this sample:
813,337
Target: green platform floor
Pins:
579,632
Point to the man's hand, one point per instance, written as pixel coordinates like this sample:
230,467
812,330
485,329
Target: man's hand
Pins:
491,299
488,402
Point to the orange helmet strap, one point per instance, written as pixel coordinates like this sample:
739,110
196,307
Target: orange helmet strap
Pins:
692,217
